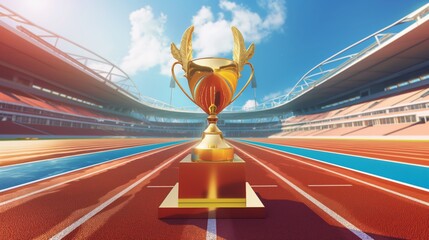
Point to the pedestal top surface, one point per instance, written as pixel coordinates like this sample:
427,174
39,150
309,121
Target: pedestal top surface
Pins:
236,159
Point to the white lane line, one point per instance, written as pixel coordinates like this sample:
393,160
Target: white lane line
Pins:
273,150
80,154
211,229
338,153
263,186
330,185
146,154
345,176
98,209
160,186
74,170
51,151
352,228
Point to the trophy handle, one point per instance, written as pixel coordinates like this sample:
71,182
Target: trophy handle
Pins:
177,82
248,82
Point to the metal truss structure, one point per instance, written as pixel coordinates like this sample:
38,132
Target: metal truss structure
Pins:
328,67
99,67
75,54
165,106
322,71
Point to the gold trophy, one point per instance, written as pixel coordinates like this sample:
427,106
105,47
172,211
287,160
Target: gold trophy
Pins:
212,180
212,83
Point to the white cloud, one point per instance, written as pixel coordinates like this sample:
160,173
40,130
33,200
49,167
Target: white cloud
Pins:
249,105
149,47
213,35
275,94
271,96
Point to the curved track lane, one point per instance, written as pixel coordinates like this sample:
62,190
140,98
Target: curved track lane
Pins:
378,213
45,214
135,214
120,199
17,175
14,152
414,152
399,172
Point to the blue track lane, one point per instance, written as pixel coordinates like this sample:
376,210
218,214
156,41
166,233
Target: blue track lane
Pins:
20,174
417,176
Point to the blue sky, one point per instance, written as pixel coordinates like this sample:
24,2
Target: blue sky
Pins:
291,36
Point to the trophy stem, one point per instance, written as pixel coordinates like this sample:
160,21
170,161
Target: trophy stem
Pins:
213,146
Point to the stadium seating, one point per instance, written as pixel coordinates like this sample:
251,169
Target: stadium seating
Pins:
9,127
24,99
398,114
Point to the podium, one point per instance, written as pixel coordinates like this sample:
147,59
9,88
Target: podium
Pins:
212,189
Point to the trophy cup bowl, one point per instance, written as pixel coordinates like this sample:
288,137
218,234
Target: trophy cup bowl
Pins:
212,81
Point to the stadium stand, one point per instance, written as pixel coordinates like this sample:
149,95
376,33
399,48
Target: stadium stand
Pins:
381,89
403,114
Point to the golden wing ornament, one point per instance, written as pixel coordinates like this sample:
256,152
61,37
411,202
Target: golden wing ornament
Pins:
250,51
239,50
184,55
240,55
176,53
186,47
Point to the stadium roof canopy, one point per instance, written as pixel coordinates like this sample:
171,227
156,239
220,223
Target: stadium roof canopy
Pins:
394,50
42,54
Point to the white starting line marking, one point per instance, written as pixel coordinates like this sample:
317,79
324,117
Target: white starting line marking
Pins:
263,186
330,185
160,186
98,209
352,228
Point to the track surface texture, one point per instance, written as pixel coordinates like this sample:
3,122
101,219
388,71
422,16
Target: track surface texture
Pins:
304,198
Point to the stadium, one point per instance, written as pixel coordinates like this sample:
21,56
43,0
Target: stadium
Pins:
342,155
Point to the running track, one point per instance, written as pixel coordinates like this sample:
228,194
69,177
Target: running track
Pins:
304,199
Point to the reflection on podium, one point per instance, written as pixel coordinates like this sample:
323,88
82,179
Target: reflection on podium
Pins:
212,189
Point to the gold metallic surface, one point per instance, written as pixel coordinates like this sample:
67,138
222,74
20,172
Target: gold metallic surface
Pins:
212,180
247,83
171,207
212,83
206,202
184,55
212,190
203,153
178,84
240,54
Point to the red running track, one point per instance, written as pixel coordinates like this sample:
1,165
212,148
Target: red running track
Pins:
290,215
14,152
415,152
43,215
378,213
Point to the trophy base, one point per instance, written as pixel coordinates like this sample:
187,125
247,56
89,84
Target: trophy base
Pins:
212,189
212,154
252,207
213,146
